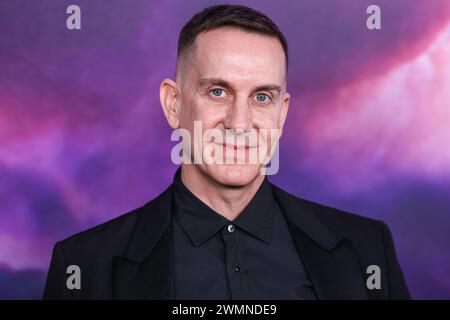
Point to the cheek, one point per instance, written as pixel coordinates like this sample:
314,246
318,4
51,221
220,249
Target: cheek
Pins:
212,117
268,119
190,111
209,114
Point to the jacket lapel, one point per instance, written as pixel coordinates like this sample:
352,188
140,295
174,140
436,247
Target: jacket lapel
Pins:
146,269
331,263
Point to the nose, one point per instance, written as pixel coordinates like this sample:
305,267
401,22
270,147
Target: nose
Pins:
239,117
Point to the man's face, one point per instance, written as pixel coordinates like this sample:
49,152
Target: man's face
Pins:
234,80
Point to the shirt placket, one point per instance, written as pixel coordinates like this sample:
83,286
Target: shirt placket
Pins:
235,261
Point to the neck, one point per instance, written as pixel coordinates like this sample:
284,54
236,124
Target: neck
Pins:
228,201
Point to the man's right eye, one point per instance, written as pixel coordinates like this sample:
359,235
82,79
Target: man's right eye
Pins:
217,92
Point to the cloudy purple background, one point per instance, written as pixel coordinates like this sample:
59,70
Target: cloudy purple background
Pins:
83,139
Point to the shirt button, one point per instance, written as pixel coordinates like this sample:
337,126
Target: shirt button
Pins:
237,269
230,228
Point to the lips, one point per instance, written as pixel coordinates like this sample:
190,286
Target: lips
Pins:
234,142
236,147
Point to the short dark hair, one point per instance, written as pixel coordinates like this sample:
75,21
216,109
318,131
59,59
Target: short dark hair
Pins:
234,16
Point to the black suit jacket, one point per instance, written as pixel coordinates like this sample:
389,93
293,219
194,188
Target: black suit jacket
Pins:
130,257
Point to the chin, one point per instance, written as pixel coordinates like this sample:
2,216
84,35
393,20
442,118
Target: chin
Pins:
234,175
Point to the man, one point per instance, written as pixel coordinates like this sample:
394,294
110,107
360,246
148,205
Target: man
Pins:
222,230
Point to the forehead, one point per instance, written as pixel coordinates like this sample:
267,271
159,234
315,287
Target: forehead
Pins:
237,55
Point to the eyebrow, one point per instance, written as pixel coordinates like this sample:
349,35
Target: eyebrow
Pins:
227,85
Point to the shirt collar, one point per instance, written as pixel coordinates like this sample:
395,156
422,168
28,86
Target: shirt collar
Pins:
200,221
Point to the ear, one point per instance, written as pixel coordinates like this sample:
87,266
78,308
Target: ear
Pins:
284,111
170,98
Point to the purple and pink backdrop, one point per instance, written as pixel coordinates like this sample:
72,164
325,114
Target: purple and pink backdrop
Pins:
83,138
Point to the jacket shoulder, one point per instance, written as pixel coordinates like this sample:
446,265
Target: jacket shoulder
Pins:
371,239
321,209
342,224
113,236
338,219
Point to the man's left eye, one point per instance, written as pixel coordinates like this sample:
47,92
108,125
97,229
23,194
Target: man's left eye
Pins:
262,97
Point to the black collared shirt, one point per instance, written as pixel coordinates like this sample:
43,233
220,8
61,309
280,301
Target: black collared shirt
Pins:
251,257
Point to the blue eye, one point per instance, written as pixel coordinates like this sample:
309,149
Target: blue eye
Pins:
217,92
262,97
